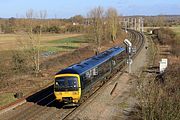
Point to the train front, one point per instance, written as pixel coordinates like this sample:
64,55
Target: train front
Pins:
67,88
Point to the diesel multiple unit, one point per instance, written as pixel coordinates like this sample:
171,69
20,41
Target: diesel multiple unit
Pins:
74,82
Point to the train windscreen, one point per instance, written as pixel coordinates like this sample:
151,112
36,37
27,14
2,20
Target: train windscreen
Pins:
68,83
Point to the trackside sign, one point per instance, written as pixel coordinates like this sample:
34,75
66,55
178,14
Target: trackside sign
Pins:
163,65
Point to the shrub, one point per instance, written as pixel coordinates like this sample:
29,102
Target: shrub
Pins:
160,100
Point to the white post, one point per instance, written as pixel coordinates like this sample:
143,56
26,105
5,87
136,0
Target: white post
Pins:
139,25
129,63
129,46
128,23
125,22
134,23
142,25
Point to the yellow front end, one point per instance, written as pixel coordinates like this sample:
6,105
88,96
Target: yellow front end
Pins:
68,96
73,95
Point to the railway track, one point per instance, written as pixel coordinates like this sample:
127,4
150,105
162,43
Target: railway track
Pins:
137,40
45,106
35,104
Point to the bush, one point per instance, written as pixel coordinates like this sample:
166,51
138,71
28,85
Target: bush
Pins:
160,100
75,28
18,61
53,29
165,36
37,29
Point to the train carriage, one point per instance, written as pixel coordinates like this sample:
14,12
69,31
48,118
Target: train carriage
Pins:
74,82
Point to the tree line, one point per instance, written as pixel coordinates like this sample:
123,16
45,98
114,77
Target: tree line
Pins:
162,20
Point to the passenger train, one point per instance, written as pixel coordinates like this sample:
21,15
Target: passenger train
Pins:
73,83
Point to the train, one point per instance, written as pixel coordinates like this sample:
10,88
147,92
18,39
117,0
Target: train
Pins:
72,84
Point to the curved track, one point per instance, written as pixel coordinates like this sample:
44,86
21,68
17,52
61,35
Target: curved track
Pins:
42,105
137,40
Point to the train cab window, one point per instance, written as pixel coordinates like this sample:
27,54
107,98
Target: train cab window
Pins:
66,83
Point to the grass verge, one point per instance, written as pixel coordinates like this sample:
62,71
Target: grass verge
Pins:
6,98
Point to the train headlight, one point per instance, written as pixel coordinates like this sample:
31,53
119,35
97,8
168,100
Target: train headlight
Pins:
56,83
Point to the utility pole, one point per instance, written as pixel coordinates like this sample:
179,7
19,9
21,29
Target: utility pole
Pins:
142,24
128,23
139,24
125,24
129,48
134,23
131,23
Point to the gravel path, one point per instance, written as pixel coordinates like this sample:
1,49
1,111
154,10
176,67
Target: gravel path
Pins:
103,106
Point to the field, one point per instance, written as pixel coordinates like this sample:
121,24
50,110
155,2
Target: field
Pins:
10,41
65,44
50,43
176,29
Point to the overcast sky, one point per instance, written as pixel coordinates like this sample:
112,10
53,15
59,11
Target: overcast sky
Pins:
68,8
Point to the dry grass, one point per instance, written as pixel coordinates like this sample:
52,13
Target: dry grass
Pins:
158,98
9,41
173,60
176,29
159,95
6,98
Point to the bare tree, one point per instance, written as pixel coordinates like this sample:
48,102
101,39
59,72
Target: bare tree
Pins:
34,39
29,16
160,21
43,15
95,32
112,22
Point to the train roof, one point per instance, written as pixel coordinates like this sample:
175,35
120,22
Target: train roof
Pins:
92,62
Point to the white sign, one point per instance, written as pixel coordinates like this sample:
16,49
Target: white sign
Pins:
127,42
129,61
134,49
163,65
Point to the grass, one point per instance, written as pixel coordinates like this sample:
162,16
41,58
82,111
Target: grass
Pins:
77,39
66,44
49,42
6,98
176,29
58,48
9,41
123,105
